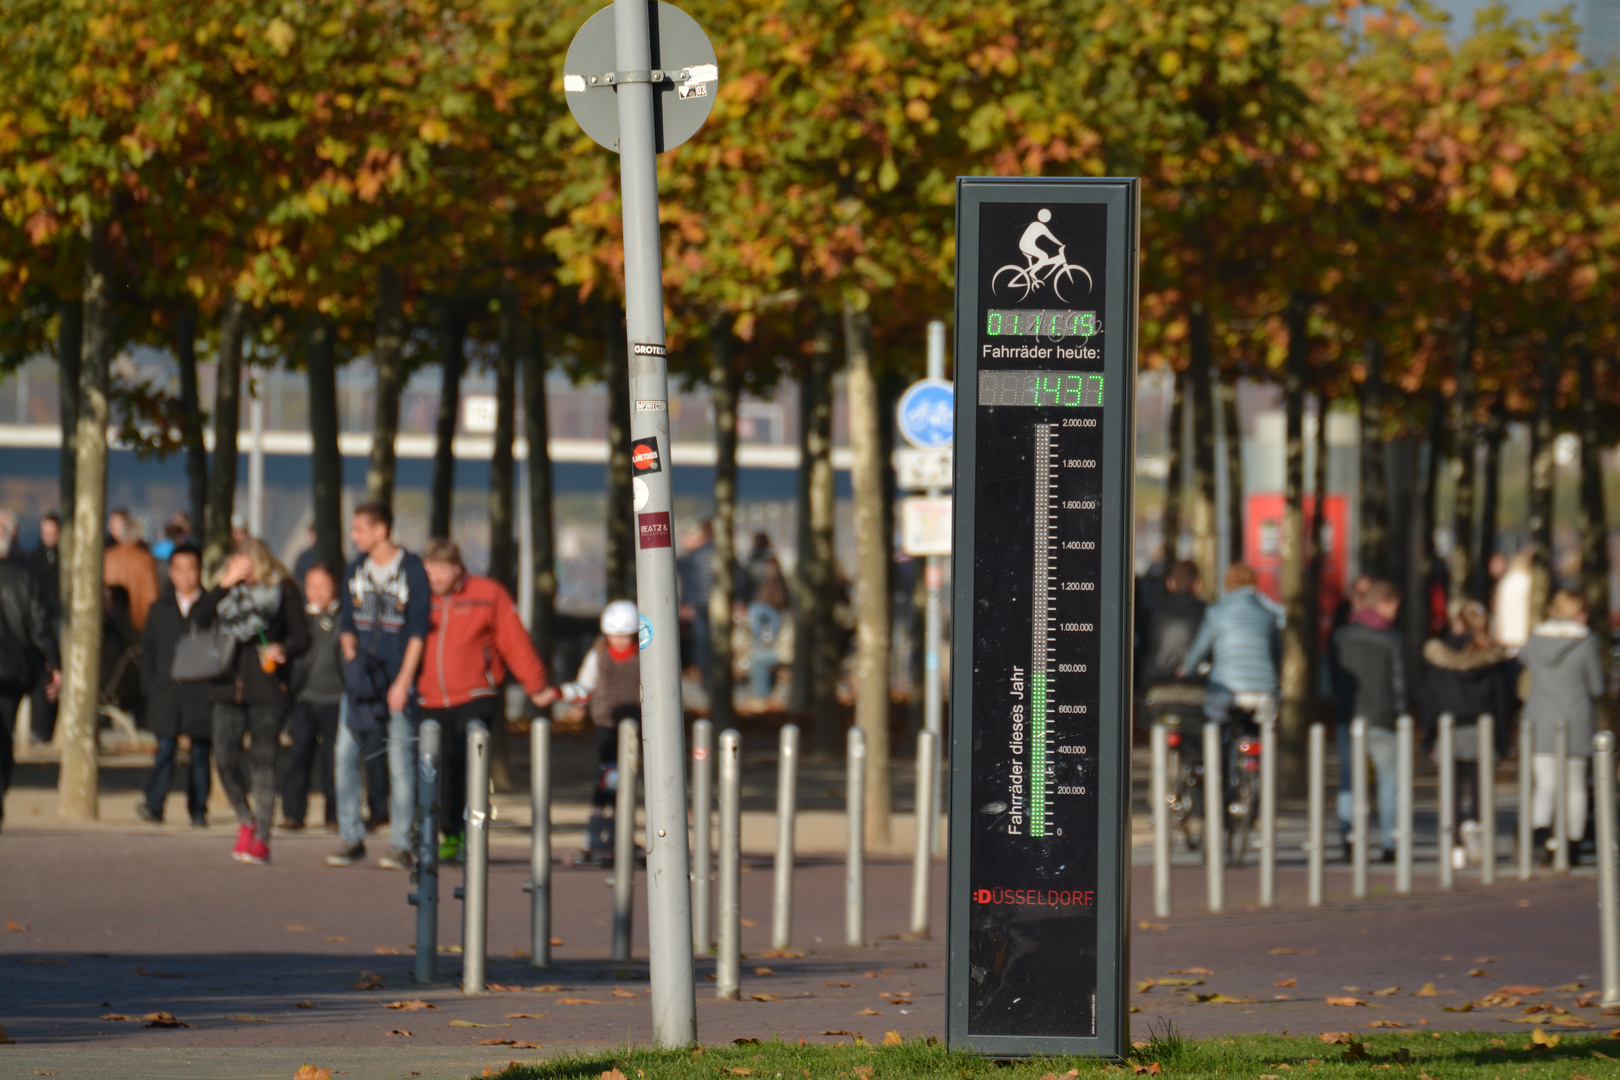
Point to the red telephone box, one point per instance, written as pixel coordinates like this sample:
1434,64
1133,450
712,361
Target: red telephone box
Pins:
1262,548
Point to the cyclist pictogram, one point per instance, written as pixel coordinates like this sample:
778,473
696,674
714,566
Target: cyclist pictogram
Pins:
1043,267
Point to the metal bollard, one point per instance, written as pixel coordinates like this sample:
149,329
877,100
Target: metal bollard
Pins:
426,896
922,861
1161,820
1527,745
702,857
475,890
787,811
855,840
624,837
1404,798
1358,807
1268,811
1214,818
1316,844
1561,796
1486,798
1608,873
539,884
1446,758
728,883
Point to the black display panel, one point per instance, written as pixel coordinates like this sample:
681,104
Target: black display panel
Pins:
1041,626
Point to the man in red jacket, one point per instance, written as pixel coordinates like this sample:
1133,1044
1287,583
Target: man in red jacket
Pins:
475,638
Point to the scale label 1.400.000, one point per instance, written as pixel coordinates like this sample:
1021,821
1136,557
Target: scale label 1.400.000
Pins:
1037,936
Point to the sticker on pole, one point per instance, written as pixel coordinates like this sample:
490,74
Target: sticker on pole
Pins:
684,76
644,457
653,530
639,493
644,634
926,414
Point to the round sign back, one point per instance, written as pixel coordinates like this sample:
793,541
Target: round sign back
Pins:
684,74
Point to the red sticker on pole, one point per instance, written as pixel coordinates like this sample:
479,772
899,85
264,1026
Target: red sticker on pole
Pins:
644,457
653,529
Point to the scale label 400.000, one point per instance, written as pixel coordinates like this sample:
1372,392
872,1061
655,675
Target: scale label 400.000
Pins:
1046,333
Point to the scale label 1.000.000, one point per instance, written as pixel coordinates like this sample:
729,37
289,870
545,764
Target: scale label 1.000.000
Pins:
1042,624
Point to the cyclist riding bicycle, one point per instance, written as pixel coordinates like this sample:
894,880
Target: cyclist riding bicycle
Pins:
1244,632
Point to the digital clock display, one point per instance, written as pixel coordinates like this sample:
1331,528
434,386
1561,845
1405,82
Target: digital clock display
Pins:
1035,323
1041,389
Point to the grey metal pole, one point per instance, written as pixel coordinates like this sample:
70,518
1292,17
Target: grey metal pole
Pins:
855,840
1268,810
1315,854
1404,798
728,963
1214,819
702,857
933,612
787,812
1446,758
1608,873
475,909
1527,745
669,920
539,886
624,839
922,862
1358,807
1161,820
1561,796
426,896
1486,798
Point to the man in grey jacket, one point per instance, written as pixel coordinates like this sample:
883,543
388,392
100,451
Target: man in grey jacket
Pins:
1369,683
1565,665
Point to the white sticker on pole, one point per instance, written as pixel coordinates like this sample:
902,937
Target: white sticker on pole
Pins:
925,525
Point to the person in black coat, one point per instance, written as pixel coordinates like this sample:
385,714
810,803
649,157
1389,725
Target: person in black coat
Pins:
175,710
46,563
29,656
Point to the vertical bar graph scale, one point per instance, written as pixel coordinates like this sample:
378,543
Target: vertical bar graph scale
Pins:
1044,621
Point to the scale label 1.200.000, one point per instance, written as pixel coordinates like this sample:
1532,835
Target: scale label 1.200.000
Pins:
1040,909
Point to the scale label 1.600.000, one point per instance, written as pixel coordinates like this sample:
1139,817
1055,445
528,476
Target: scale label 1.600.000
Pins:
1036,859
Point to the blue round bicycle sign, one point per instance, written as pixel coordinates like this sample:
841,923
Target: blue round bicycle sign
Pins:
927,414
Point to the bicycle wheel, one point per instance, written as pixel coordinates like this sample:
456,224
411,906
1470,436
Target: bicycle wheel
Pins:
1242,811
1186,802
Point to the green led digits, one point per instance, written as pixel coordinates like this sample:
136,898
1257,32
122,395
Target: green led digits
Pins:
1054,324
1041,389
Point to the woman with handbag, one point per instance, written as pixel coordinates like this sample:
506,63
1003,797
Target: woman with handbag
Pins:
258,608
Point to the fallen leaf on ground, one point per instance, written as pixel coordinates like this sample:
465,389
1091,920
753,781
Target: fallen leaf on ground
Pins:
1387,991
1142,987
297,928
739,1070
1179,981
863,1070
613,1074
901,1001
1427,990
1515,990
1486,960
386,950
621,992
868,1012
1387,1024
1143,924
414,1005
844,985
556,942
118,1016
526,1016
1335,1036
764,971
163,1020
337,938
1556,1010
310,1072
1541,1038
469,1023
1286,982
1467,1006
546,989
497,1042
524,1044
249,1018
765,997
1192,971
748,922
1151,1068
578,1001
368,980
1220,999
1479,973
145,973
782,954
1070,1075
3,1039
15,927
892,1038
745,1042
1293,952
52,1072
399,1031
1557,1021
305,1005
838,1033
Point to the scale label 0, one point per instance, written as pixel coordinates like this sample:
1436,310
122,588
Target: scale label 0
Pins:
1042,620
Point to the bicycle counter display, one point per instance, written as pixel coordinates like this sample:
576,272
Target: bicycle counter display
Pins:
1046,299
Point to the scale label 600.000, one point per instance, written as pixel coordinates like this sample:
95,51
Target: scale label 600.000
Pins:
1046,312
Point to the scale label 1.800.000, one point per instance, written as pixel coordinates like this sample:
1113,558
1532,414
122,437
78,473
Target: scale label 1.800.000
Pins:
1036,855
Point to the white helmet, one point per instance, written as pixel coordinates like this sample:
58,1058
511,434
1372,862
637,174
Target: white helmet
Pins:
621,617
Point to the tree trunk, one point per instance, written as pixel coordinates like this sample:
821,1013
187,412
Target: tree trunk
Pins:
1374,482
872,626
1594,512
1318,557
79,780
826,636
502,481
453,362
1173,467
723,389
191,413
326,460
227,423
1464,437
69,347
388,357
1542,436
1233,426
1491,503
621,540
543,585
1295,681
1201,390
803,593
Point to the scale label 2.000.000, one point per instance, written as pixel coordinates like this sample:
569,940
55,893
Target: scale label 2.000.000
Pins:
1046,326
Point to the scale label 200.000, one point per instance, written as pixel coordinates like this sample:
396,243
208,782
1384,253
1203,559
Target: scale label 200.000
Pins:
1046,326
